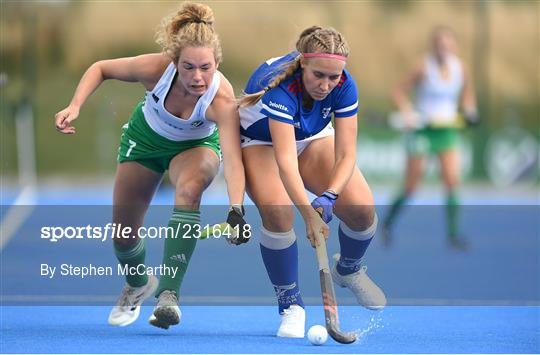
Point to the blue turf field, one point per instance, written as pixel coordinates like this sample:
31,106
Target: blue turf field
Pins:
484,300
250,330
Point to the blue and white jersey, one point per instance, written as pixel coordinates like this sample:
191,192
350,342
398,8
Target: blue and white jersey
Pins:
175,128
284,103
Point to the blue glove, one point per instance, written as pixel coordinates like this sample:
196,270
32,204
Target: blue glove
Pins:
324,204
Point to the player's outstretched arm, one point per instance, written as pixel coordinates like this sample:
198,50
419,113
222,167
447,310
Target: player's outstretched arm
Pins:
144,68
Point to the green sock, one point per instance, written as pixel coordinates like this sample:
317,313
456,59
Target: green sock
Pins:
179,248
394,209
452,206
132,256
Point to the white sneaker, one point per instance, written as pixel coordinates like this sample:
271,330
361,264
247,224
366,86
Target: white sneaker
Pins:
167,312
293,322
128,307
367,293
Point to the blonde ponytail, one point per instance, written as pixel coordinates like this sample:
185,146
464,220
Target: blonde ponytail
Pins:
286,70
191,25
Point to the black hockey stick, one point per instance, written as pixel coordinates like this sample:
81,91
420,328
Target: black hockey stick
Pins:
329,296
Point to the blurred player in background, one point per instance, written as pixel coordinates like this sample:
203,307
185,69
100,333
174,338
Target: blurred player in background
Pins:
173,128
441,85
289,145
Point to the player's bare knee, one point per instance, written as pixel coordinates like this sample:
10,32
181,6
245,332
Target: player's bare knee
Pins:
361,218
277,218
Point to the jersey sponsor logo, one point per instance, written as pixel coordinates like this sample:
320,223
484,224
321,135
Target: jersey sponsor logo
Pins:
156,99
278,106
325,112
197,123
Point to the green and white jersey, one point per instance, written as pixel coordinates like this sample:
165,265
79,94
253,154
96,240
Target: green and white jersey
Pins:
174,128
437,97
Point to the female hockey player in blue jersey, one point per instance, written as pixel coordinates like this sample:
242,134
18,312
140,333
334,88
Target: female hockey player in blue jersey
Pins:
289,145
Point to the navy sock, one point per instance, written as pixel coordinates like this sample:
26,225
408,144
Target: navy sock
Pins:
280,256
353,246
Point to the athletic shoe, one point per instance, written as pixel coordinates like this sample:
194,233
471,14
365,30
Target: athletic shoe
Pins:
367,293
128,307
167,312
293,322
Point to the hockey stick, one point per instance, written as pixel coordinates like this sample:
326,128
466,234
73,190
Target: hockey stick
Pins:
217,229
329,295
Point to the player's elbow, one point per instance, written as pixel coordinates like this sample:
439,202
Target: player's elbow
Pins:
98,69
